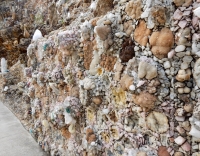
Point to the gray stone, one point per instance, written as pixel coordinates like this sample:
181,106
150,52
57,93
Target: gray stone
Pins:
180,48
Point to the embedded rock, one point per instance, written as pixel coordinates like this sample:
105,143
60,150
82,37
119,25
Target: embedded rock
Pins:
141,33
161,42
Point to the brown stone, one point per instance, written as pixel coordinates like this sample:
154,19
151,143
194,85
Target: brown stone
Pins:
144,100
103,6
162,151
108,62
141,33
88,53
161,42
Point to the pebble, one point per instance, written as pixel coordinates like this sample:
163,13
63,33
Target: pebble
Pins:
186,147
189,84
188,108
187,59
180,54
180,90
180,118
195,147
184,65
178,154
180,48
136,48
186,90
180,130
179,140
167,64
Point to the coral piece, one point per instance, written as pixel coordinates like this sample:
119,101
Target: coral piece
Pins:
161,42
147,70
184,3
108,62
127,51
162,151
103,32
158,13
90,136
144,100
133,9
183,75
128,27
88,83
141,33
157,122
102,7
119,96
126,81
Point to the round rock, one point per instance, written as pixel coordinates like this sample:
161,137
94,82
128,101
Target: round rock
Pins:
167,64
180,48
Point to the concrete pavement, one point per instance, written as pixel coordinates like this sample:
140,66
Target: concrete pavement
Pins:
14,139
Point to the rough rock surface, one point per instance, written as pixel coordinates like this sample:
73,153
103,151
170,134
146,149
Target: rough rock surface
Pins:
104,77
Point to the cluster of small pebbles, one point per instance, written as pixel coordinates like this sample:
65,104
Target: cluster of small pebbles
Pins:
123,81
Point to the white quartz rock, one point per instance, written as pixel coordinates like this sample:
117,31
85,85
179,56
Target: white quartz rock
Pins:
3,65
37,35
197,12
194,132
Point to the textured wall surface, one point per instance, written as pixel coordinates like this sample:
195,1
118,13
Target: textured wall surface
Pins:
109,78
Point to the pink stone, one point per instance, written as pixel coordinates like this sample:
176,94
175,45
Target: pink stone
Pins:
194,21
186,13
186,146
171,54
182,24
178,14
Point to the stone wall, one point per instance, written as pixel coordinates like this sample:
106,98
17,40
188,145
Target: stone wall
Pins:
118,78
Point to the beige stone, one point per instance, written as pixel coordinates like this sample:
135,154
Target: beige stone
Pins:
133,9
